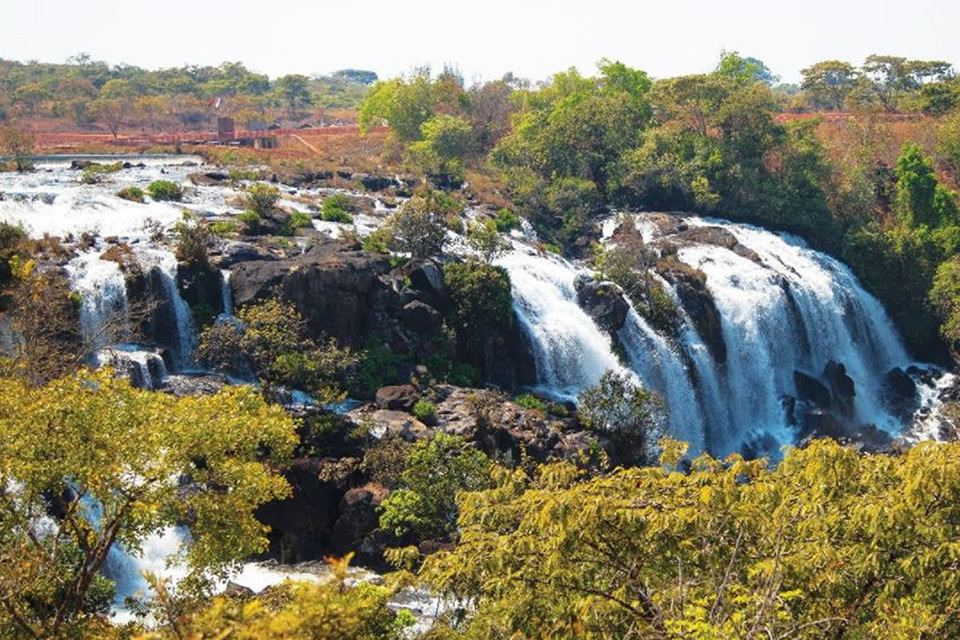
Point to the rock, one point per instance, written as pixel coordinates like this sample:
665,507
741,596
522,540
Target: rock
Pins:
811,390
393,423
236,591
359,517
201,286
841,386
422,318
373,182
691,287
900,393
236,252
717,236
341,292
603,301
79,165
398,397
207,179
426,277
194,385
820,423
301,524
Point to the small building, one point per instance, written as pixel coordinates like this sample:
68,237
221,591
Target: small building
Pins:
226,129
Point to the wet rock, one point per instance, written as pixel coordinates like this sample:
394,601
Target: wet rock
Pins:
691,288
397,397
340,291
79,165
812,391
236,252
207,179
236,591
841,387
717,236
201,286
603,301
900,393
820,423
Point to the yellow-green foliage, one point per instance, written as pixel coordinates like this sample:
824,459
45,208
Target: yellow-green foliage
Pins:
829,543
299,611
93,440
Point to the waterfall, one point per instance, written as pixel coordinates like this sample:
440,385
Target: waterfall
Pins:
570,351
103,292
144,368
782,307
226,293
165,264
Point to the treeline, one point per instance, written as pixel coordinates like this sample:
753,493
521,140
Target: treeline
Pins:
567,152
85,92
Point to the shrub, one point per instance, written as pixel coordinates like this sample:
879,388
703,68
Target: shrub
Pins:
484,238
506,220
133,194
252,222
627,413
337,208
482,304
530,401
425,411
95,172
262,198
223,228
165,190
377,368
378,241
193,239
419,228
434,473
297,220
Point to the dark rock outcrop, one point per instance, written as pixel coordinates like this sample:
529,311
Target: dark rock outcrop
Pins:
717,236
691,288
603,301
340,291
207,179
841,387
359,518
397,397
201,286
900,393
422,318
812,391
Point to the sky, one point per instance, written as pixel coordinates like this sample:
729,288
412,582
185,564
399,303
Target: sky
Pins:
484,38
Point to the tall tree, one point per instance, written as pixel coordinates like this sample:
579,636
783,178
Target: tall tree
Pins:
829,82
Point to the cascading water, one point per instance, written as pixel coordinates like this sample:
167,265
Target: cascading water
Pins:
782,307
226,293
103,293
165,265
570,351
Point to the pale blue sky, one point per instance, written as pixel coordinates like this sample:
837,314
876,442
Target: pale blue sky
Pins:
532,38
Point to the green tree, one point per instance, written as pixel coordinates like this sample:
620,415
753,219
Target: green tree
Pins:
829,83
620,408
945,297
293,91
827,544
419,227
18,144
107,457
435,471
403,105
482,307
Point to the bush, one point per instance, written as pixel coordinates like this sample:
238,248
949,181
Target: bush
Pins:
506,220
95,172
377,368
133,194
165,190
484,238
530,401
262,198
434,473
223,228
193,239
378,241
425,411
297,220
337,208
624,411
482,304
252,222
419,228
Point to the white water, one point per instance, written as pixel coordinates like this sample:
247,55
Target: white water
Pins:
103,293
186,335
797,309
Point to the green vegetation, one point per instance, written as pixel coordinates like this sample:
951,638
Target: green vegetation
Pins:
419,228
730,549
96,172
262,198
337,208
297,220
106,444
252,222
482,307
165,190
133,194
193,239
270,341
17,143
619,408
434,473
425,411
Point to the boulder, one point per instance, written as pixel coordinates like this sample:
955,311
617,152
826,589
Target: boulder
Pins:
717,236
374,182
603,301
841,386
691,287
201,285
812,391
422,318
900,393
426,278
207,179
397,398
236,252
358,519
340,291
